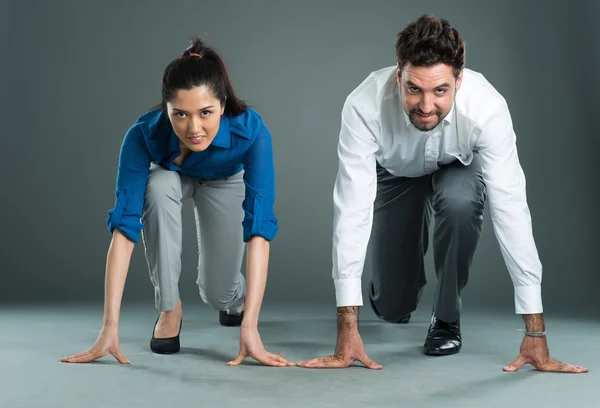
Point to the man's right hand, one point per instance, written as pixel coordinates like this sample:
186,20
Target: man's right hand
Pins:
349,347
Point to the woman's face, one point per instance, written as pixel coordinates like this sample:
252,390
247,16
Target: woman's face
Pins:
195,115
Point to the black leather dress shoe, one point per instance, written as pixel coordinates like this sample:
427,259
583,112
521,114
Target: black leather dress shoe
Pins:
168,345
229,320
443,338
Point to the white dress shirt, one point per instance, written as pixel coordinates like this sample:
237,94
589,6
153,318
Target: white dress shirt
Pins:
375,128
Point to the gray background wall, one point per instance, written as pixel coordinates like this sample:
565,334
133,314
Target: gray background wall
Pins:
76,74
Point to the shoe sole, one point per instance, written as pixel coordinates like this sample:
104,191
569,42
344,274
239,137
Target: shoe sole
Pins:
438,353
164,352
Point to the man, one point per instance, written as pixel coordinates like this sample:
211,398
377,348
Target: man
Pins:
426,139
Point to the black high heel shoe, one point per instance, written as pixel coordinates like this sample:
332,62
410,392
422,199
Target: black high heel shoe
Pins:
169,345
229,320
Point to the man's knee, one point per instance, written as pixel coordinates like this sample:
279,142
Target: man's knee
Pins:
396,308
460,200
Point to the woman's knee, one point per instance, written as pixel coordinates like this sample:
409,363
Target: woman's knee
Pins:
163,188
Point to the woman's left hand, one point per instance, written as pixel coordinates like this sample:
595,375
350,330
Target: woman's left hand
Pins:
251,346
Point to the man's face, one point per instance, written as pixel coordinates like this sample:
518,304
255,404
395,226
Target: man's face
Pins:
427,93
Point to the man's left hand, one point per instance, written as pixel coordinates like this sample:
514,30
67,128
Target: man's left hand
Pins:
534,351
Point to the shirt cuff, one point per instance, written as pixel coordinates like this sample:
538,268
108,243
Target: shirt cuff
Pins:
130,229
348,292
268,230
528,299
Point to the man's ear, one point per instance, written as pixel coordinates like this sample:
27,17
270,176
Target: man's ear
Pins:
459,79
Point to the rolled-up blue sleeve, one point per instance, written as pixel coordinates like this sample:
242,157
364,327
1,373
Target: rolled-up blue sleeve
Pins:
132,175
259,178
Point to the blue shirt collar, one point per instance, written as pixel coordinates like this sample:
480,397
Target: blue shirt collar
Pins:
223,136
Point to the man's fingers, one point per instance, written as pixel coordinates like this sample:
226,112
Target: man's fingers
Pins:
303,363
570,368
369,363
560,367
548,366
324,362
238,360
515,365
312,363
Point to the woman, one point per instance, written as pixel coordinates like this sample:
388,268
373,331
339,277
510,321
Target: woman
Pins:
203,144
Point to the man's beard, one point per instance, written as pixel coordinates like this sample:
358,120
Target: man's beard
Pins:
414,117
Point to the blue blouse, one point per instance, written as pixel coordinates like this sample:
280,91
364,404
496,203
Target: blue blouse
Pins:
242,142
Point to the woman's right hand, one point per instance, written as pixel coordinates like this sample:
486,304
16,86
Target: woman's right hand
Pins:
107,343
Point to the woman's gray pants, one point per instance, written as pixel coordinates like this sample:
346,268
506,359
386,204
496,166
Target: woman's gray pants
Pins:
218,213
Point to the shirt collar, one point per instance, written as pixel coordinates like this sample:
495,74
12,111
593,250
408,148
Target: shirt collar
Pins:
406,118
223,136
450,116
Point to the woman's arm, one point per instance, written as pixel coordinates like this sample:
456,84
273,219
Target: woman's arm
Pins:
117,265
257,265
260,227
124,222
256,279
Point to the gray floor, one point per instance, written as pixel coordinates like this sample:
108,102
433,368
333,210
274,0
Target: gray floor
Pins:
32,340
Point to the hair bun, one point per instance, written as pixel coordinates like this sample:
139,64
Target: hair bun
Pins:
196,47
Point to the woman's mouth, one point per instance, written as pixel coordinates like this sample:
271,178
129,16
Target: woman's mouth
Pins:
196,139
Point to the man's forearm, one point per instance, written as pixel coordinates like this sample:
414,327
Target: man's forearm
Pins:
534,322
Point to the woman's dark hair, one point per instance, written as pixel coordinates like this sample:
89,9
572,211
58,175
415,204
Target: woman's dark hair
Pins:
429,41
200,65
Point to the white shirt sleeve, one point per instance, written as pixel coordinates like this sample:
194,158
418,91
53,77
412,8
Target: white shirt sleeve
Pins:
353,198
505,184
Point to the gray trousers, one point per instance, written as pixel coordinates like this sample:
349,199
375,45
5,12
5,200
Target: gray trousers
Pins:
455,195
218,213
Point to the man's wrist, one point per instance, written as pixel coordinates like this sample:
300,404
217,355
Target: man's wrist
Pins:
534,323
349,310
347,318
